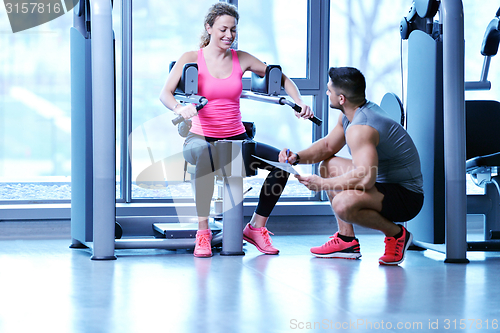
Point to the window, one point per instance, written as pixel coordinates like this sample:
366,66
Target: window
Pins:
35,95
161,36
277,126
476,19
35,111
365,34
162,32
372,43
279,37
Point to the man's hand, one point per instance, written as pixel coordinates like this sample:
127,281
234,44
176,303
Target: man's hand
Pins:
312,182
286,156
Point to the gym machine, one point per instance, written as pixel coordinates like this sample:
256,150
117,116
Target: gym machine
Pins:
446,131
94,223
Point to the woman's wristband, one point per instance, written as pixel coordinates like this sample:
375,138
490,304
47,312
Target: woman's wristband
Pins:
297,159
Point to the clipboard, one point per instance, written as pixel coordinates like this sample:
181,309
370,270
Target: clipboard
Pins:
283,166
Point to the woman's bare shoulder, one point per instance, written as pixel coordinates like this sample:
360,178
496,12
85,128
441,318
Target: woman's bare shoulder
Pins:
190,56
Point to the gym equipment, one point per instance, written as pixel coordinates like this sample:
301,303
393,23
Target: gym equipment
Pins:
483,148
263,89
93,121
93,220
435,102
94,223
233,167
436,71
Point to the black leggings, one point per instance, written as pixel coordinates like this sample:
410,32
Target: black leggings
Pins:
200,151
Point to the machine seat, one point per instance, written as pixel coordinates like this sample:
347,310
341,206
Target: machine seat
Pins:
249,128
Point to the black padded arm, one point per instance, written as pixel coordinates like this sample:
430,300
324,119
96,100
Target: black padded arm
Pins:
491,38
270,84
188,84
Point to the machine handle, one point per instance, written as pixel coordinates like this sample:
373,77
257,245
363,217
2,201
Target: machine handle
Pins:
203,101
297,108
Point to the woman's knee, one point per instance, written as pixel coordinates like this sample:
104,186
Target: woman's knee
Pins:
197,152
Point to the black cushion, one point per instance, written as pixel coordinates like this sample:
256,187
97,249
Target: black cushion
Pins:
491,38
483,161
250,129
482,128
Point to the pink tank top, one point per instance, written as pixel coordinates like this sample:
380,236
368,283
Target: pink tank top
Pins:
221,117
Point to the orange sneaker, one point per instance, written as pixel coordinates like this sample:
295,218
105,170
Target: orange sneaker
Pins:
395,249
203,247
260,238
337,248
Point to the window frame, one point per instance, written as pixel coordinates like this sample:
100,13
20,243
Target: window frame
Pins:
315,85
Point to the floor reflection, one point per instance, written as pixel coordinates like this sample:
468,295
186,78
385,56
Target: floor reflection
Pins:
46,286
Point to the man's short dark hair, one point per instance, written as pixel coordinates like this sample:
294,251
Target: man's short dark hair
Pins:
349,82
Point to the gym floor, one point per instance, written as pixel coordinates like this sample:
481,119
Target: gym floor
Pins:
47,287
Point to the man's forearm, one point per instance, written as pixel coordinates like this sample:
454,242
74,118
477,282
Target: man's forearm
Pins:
357,179
315,153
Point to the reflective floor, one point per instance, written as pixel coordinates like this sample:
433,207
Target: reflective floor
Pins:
47,287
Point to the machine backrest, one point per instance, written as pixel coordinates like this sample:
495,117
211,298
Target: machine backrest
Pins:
482,128
392,105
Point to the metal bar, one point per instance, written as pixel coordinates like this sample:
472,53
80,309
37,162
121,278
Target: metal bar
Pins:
454,131
486,68
189,98
490,245
232,242
261,98
126,142
79,20
477,85
478,204
103,111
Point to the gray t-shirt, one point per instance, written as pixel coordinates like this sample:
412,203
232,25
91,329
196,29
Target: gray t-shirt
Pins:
398,160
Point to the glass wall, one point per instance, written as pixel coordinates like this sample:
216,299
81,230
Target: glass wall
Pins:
476,18
280,37
365,34
35,110
162,32
35,99
160,36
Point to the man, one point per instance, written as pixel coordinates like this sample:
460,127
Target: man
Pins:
382,184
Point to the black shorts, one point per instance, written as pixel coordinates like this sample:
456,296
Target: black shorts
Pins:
399,203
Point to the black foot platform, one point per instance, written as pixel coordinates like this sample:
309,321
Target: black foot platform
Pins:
183,230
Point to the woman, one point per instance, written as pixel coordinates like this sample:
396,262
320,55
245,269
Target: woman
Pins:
220,72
